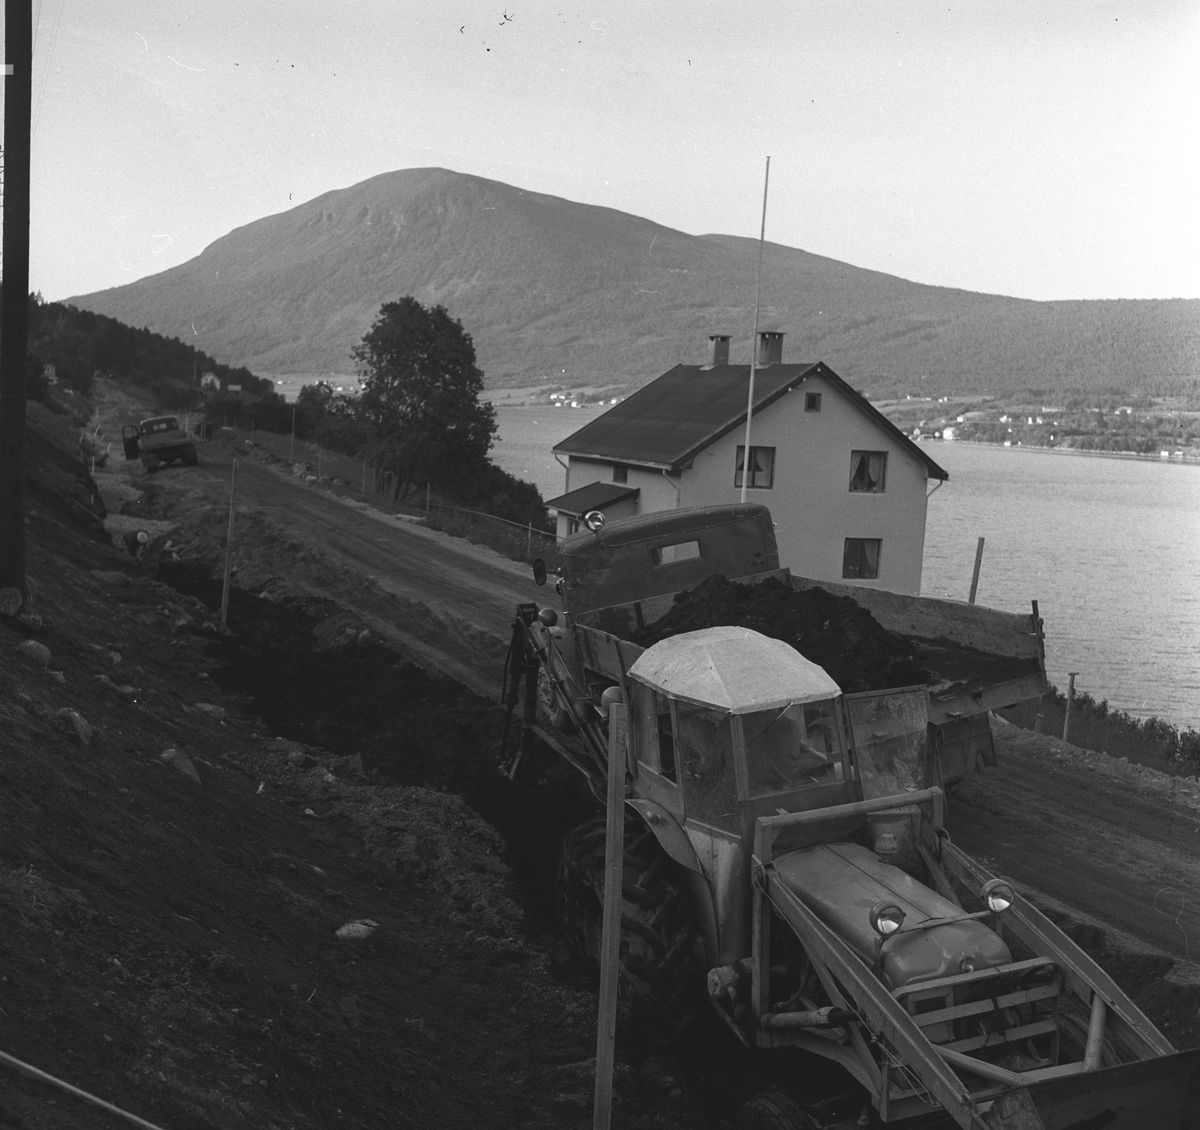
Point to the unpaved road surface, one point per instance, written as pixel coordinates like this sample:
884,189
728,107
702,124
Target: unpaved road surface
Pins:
460,598
446,603
1116,841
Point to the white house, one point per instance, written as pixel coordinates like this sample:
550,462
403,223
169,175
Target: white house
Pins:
847,489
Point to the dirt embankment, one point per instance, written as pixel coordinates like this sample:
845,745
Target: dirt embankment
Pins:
175,868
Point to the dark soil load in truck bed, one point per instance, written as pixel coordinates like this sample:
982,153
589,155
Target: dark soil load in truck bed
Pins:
838,634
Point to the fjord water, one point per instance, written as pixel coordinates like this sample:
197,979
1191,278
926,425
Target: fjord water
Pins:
1108,547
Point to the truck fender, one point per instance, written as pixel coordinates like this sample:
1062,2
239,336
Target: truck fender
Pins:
666,830
674,841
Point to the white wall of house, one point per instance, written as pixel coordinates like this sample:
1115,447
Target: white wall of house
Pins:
810,499
657,491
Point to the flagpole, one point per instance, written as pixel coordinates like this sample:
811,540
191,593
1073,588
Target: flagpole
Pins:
762,235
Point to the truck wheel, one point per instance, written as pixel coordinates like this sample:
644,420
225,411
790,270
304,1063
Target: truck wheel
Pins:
150,462
550,711
661,957
773,1110
190,458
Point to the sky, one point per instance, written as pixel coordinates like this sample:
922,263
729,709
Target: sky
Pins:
1046,150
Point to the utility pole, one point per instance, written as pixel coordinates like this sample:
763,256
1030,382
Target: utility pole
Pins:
14,306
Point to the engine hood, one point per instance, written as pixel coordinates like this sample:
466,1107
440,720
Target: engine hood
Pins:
840,883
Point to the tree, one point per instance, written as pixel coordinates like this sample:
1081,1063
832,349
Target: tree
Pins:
420,396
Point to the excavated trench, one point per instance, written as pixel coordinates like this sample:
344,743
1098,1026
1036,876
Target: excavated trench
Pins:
308,670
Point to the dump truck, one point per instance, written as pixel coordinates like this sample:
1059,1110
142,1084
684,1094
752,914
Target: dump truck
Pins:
158,441
787,862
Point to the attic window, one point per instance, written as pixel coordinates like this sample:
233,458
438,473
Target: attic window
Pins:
620,473
812,402
868,471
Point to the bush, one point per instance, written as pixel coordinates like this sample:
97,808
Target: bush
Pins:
1144,741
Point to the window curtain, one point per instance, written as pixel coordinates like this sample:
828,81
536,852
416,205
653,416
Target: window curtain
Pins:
868,470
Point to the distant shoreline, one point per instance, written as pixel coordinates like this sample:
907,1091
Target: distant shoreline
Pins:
1187,459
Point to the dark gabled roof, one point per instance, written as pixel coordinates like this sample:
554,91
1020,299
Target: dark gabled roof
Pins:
668,422
594,496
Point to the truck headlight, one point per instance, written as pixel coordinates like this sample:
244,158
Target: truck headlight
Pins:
886,918
998,895
594,520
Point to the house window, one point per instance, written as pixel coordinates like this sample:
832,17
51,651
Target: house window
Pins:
572,526
762,467
812,402
860,559
868,470
620,474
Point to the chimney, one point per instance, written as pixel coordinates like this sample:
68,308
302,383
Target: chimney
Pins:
770,349
718,350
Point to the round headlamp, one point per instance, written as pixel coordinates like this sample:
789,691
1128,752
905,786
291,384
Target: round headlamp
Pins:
547,617
998,895
594,520
886,918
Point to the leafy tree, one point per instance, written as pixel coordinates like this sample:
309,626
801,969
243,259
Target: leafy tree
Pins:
420,396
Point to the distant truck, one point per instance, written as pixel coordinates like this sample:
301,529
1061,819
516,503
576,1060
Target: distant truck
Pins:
158,441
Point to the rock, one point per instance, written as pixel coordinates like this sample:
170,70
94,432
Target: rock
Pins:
357,931
36,651
111,577
30,619
181,762
69,718
123,689
10,601
211,709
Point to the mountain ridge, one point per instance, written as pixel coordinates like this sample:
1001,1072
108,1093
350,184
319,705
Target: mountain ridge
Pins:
558,292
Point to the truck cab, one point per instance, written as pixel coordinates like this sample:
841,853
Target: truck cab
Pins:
158,441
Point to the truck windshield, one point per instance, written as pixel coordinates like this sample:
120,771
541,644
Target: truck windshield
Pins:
792,747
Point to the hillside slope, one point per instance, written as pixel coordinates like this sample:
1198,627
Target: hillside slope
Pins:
571,293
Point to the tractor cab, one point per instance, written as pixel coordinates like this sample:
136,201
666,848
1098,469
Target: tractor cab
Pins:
730,727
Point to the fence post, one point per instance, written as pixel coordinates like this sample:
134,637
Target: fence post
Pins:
364,478
1070,703
529,542
975,574
229,546
426,498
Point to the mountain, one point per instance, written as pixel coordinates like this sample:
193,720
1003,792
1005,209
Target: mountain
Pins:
554,291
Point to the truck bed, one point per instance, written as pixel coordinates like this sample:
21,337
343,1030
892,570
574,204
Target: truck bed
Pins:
978,659
981,658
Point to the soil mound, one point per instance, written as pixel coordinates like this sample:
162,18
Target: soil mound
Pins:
832,631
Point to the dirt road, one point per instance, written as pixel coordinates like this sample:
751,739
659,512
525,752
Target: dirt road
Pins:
1116,841
446,603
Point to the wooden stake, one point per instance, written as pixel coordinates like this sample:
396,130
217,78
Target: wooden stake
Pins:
610,944
1070,703
364,478
975,574
229,547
